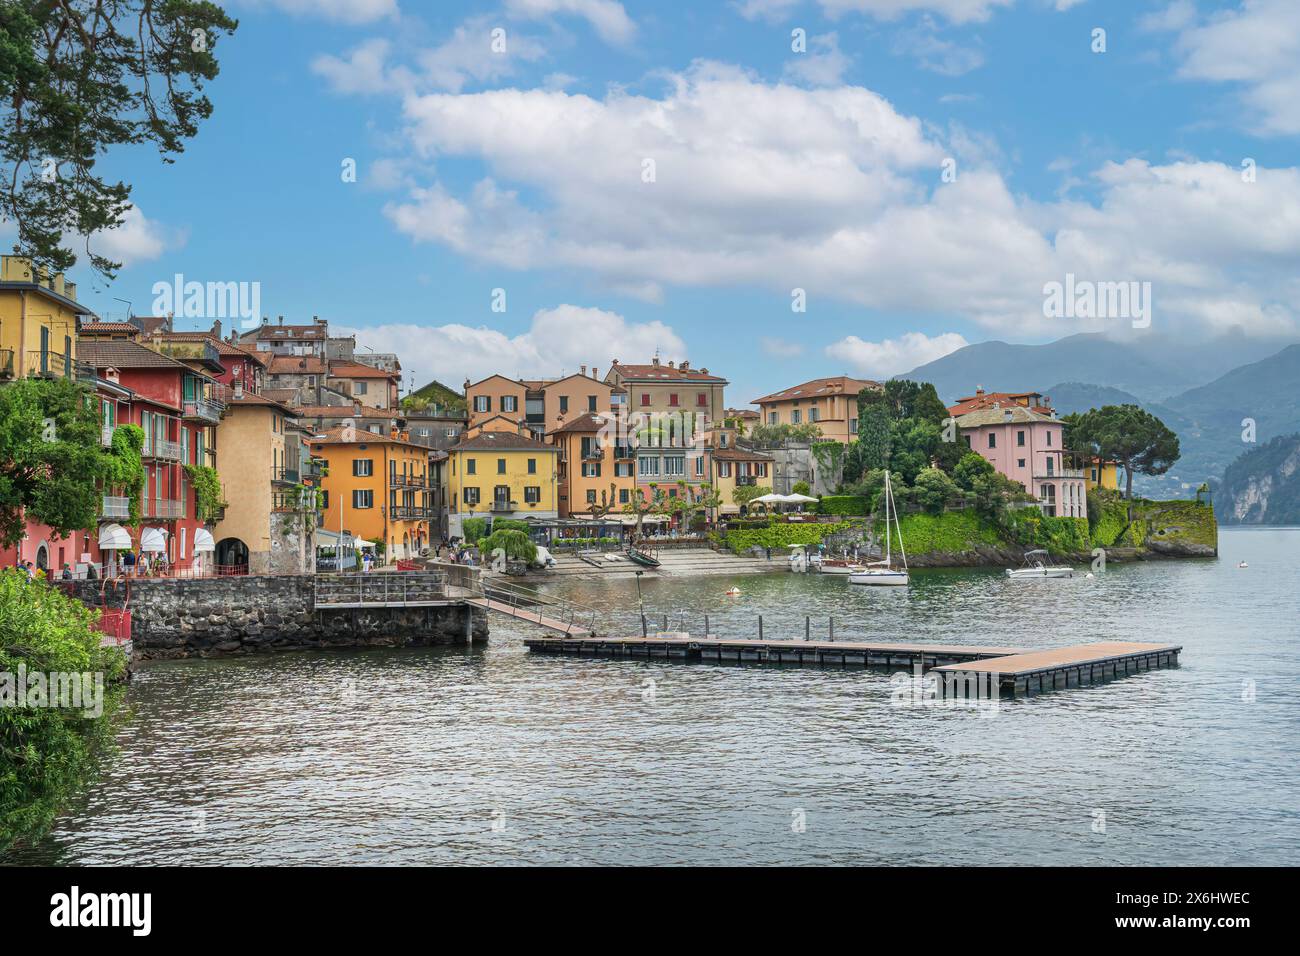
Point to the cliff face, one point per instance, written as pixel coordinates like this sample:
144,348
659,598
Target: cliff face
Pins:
1263,485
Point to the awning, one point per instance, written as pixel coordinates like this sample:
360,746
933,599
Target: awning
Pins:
153,539
203,541
362,544
114,536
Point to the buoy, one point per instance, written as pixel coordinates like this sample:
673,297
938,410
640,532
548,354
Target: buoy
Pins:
1243,564
733,592
1089,575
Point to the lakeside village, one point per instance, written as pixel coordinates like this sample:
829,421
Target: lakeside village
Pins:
285,450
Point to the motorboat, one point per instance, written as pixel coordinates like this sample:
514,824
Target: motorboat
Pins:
1035,568
800,561
840,566
884,572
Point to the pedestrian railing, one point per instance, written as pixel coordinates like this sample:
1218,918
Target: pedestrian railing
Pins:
381,589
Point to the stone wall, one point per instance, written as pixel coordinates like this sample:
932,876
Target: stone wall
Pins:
211,617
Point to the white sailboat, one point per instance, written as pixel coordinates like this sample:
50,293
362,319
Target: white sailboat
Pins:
884,572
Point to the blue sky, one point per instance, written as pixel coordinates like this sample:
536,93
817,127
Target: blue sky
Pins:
774,170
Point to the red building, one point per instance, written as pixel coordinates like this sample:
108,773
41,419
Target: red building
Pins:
175,406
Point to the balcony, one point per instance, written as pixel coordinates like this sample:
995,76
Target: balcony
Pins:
408,481
1058,475
746,480
500,504
6,363
47,364
163,508
412,512
203,410
284,476
162,450
115,507
293,501
106,435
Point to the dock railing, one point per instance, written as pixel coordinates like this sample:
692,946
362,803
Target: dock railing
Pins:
527,604
380,589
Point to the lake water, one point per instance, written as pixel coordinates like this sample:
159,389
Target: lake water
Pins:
491,755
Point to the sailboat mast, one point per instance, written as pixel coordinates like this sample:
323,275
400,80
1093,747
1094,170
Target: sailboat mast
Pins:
889,498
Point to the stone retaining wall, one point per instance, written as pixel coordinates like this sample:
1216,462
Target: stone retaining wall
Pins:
210,617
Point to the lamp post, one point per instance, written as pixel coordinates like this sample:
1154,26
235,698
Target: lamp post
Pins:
640,602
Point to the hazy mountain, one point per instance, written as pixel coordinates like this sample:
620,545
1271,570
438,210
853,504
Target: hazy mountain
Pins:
1263,485
1150,367
1070,397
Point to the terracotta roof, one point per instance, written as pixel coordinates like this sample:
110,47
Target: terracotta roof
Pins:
987,400
297,365
502,441
586,422
154,323
252,398
124,353
334,436
663,373
999,416
342,369
743,413
820,388
107,328
223,347
738,454
286,395
278,331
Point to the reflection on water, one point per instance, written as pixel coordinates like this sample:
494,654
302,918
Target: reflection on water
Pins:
451,755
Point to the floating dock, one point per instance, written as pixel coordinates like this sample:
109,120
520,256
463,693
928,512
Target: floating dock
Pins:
962,670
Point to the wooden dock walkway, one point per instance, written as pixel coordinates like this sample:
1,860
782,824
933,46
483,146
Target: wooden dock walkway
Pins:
1034,672
962,670
533,615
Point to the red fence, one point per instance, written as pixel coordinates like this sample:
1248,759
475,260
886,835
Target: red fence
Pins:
409,566
114,623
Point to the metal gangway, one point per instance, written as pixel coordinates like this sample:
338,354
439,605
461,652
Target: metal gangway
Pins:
552,613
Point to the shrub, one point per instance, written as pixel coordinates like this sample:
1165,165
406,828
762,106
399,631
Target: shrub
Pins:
780,536
516,545
473,529
801,488
843,505
510,524
933,490
46,753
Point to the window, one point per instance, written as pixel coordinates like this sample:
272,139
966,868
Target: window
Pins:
471,466
853,426
325,501
699,466
724,469
675,465
647,466
1020,463
1049,438
471,496
814,414
532,466
591,403
1020,438
482,403
760,469
645,398
672,398
1051,463
363,467
509,403
591,496
702,399
501,466
358,388
591,469
993,440
532,494
363,498
774,418
622,469
796,417
623,496
1094,474
564,404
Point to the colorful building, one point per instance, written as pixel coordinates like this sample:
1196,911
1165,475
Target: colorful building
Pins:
364,384
594,470
669,387
378,488
830,403
498,469
1026,446
1035,401
736,467
542,405
38,321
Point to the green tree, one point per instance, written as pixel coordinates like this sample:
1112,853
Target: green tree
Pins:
801,488
1127,434
46,753
774,434
53,467
642,504
516,545
743,494
993,492
971,466
78,77
933,490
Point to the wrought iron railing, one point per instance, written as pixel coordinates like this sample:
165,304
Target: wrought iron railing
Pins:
115,506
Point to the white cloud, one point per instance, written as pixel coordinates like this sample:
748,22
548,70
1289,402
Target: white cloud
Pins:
880,360
780,348
137,239
607,17
845,202
365,70
823,65
956,11
562,338
934,53
342,11
1256,46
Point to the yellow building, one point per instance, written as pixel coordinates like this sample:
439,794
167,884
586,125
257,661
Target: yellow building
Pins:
735,467
496,471
594,471
377,487
38,321
829,403
269,521
1101,474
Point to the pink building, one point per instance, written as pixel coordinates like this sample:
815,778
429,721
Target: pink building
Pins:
1026,446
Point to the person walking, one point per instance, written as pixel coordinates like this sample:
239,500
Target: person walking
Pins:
128,563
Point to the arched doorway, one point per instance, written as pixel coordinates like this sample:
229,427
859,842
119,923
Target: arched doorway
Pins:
42,557
232,556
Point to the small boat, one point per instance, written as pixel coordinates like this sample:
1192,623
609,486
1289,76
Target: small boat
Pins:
1242,564
884,572
1034,568
800,561
732,592
840,566
637,556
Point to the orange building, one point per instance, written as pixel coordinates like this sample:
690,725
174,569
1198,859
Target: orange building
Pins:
829,403
377,487
594,472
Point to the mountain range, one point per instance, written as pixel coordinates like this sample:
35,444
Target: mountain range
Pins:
1212,416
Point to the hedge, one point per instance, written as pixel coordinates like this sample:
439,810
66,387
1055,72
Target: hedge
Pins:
843,505
782,536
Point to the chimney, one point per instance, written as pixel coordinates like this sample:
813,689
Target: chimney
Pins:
584,369
594,373
392,431
239,389
216,329
282,320
670,364
686,366
704,371
655,361
111,375
979,390
265,320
